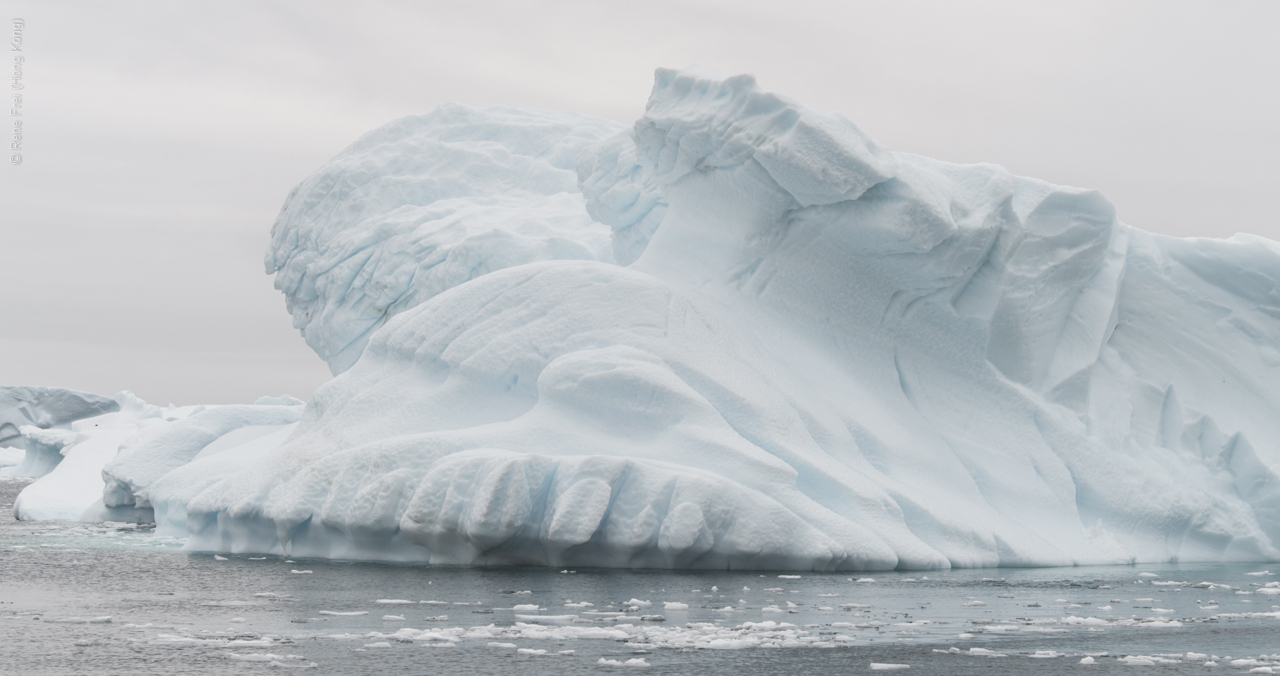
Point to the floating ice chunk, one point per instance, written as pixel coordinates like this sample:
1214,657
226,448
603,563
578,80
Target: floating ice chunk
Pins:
378,644
525,607
263,657
496,644
1260,573
300,572
1147,575
553,619
250,643
675,605
1086,660
393,601
888,666
531,651
1084,621
219,558
353,613
389,618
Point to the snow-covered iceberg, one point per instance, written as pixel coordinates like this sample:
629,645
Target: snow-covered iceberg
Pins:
73,463
739,334
45,408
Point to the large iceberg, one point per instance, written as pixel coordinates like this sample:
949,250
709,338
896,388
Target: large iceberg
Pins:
739,334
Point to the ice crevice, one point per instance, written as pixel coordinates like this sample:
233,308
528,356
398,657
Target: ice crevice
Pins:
738,334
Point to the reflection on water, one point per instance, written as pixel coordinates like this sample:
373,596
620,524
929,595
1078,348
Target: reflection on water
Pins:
117,599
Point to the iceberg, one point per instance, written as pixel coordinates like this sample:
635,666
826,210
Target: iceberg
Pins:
73,464
45,408
739,334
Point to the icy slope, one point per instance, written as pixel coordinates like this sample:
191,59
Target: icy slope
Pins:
45,407
75,465
820,354
424,204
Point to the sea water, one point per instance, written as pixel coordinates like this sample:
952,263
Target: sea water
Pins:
116,599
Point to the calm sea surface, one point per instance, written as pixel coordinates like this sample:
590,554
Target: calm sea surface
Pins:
78,599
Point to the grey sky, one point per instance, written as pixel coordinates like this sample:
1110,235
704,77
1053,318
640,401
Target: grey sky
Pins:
162,137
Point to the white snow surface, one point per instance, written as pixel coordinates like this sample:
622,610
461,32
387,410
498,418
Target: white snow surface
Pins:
424,204
45,408
167,452
739,334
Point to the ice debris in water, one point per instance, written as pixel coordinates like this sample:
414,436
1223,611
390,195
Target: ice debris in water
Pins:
737,334
633,662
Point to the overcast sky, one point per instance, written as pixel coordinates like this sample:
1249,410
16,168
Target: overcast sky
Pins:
162,137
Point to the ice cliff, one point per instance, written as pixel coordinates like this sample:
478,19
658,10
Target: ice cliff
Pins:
739,334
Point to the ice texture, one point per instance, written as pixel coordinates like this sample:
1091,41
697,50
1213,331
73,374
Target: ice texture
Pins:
740,334
68,462
45,407
107,467
424,204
